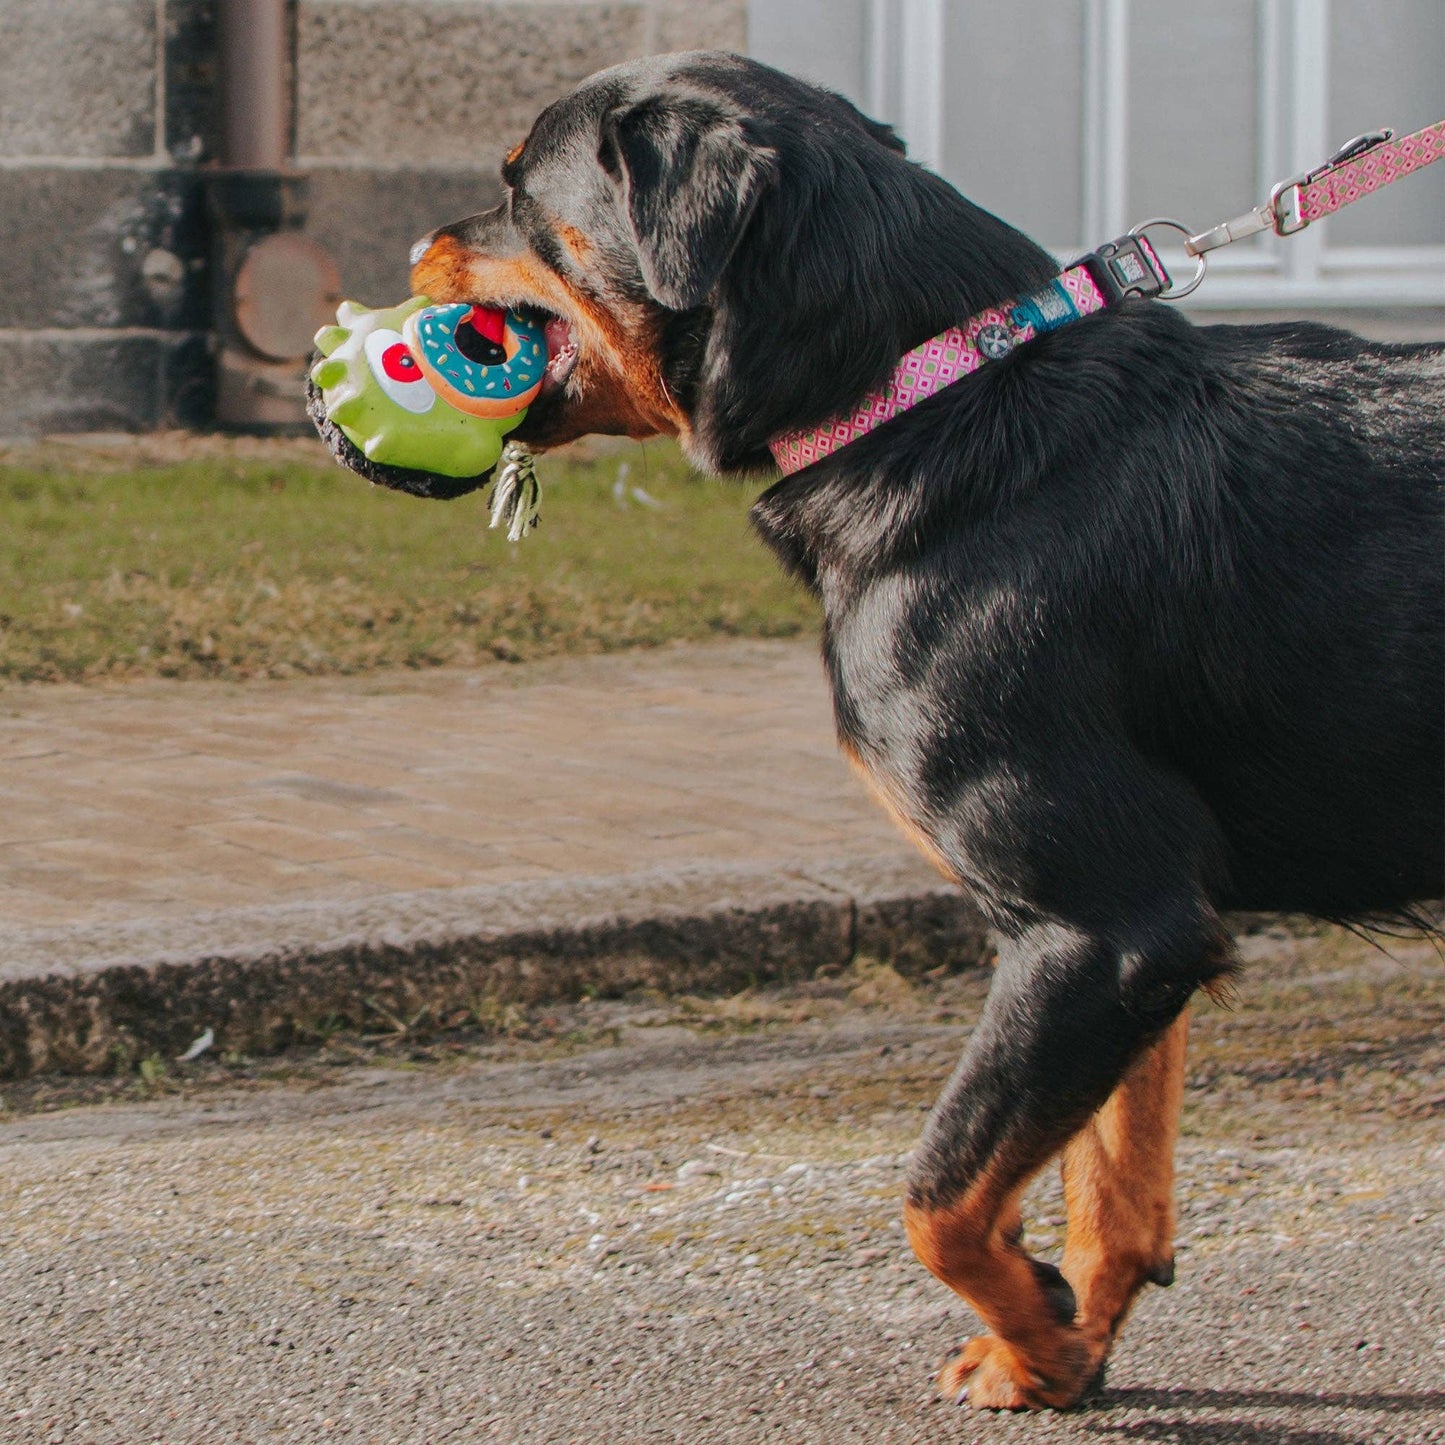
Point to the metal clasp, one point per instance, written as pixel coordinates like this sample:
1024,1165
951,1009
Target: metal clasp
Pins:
1284,204
1251,223
1357,147
1174,293
1281,213
1284,199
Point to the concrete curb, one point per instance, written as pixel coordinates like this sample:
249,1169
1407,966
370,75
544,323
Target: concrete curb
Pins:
96,998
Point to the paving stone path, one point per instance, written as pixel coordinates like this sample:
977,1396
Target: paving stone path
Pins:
157,801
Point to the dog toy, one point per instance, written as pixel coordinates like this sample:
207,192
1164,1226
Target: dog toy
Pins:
485,362
419,397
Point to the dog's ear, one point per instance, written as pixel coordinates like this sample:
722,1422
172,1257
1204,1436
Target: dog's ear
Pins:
687,177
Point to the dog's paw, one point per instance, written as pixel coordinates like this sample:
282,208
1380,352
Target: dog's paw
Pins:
991,1374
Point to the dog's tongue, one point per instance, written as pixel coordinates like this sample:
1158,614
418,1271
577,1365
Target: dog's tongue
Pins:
491,322
559,336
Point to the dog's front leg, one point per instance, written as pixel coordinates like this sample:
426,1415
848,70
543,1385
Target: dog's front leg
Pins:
1066,1020
1119,1191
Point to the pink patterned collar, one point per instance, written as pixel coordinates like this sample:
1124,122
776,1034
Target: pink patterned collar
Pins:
1126,267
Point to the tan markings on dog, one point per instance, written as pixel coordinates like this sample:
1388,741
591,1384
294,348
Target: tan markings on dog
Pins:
1118,1186
578,243
441,274
910,829
617,387
1119,1191
1030,1359
515,154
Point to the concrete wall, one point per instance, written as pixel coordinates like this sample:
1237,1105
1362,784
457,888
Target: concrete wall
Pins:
108,121
97,198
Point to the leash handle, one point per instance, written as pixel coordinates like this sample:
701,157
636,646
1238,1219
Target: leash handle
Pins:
1362,167
1359,168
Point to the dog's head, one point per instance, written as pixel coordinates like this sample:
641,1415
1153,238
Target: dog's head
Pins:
719,252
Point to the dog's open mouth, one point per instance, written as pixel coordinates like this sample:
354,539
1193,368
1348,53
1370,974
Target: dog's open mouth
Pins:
561,348
561,353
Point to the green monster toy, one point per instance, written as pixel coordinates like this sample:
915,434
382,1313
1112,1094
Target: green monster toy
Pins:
419,397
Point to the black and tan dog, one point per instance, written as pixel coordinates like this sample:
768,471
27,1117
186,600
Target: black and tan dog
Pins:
1137,625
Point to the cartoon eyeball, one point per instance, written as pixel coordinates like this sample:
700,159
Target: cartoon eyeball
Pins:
397,373
481,360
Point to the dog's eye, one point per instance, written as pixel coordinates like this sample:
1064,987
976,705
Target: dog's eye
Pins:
397,373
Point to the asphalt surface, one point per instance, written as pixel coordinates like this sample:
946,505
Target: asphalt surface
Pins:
678,1220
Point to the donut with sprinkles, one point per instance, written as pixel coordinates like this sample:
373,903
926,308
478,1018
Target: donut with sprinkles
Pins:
480,359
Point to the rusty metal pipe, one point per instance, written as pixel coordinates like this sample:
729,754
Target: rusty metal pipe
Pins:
272,286
252,51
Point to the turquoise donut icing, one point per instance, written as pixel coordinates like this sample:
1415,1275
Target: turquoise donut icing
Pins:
436,328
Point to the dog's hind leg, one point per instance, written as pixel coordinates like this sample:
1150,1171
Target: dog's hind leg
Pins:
1119,1190
1071,1020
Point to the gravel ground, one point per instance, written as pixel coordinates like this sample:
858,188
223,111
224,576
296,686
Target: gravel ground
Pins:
678,1220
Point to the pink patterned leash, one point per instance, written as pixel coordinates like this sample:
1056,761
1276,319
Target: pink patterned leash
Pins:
1103,278
1358,169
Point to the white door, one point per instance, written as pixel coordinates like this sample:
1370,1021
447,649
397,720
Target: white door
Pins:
1074,119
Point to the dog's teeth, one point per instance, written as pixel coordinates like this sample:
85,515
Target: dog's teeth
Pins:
561,362
561,351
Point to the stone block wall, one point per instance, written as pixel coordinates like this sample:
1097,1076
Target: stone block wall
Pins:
102,285
402,111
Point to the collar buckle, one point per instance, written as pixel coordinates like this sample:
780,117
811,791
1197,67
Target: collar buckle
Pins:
1127,266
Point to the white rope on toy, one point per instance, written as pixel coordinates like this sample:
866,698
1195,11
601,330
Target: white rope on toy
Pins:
516,493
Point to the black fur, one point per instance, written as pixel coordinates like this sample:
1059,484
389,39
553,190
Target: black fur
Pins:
687,177
1138,625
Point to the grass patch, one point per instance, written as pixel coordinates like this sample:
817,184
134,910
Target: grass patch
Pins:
255,565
